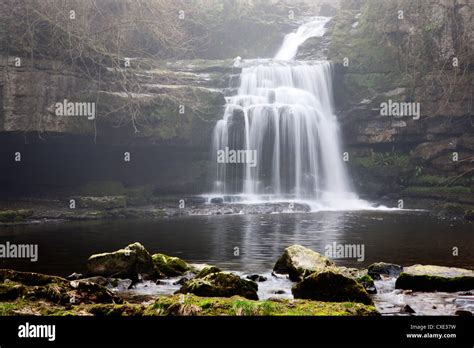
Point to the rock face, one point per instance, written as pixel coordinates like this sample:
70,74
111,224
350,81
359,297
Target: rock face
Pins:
435,278
220,284
298,262
131,262
378,47
329,285
170,266
377,269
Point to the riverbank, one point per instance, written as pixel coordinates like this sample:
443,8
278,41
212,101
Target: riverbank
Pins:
116,282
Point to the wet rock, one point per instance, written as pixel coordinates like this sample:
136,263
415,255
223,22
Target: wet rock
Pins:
329,285
220,285
298,262
182,281
407,309
463,313
97,280
133,262
170,266
375,270
29,286
12,216
435,278
256,278
368,283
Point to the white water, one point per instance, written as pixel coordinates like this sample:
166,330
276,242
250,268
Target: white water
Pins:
292,41
284,111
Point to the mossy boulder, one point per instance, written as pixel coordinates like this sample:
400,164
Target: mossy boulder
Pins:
207,270
9,216
298,262
332,286
435,278
368,283
29,286
131,262
170,266
377,269
220,284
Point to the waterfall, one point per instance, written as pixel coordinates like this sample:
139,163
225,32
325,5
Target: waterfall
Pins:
283,111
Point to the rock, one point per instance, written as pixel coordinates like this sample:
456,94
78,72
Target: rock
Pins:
11,216
220,284
182,281
97,280
132,262
170,266
104,202
463,313
430,150
407,309
206,271
298,262
368,283
387,269
29,286
256,278
329,285
435,278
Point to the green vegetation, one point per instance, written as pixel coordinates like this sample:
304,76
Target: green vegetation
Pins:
170,266
15,215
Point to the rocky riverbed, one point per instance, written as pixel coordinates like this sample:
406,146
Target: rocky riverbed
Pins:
131,281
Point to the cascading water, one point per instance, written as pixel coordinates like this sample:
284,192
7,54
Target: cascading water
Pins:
283,112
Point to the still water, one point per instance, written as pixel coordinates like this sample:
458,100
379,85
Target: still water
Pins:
401,237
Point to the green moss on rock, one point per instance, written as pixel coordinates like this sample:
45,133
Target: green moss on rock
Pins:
435,278
220,284
170,266
20,215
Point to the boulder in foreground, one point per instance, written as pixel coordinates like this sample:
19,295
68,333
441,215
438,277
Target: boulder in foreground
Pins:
331,286
299,262
131,262
220,284
377,269
435,278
